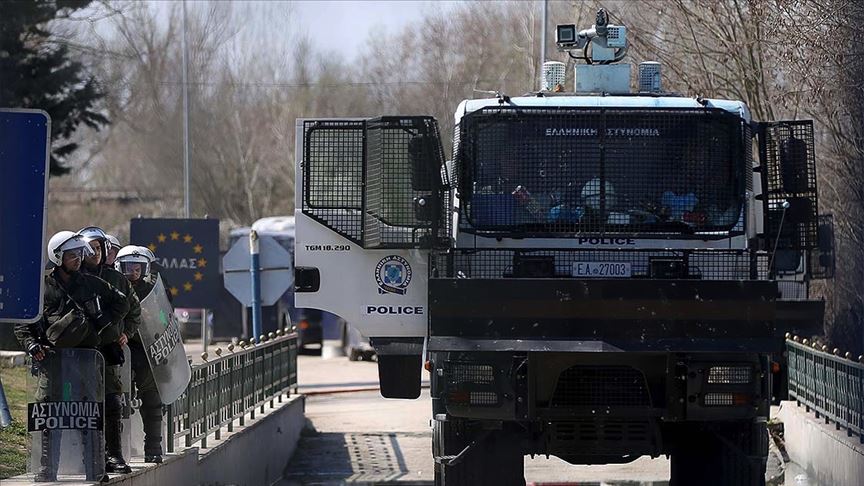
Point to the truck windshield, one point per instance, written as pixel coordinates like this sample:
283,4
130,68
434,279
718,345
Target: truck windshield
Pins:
603,171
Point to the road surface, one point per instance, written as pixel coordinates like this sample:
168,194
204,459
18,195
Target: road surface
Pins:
359,437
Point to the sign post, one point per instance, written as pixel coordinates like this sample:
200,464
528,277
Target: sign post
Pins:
256,285
258,270
5,416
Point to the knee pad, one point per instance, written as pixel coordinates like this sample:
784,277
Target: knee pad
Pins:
150,399
113,405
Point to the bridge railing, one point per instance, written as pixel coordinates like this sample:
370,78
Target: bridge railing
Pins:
229,387
830,385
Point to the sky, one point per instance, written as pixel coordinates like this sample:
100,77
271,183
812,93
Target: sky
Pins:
345,25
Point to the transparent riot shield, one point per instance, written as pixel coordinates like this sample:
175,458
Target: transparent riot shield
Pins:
67,415
160,335
126,413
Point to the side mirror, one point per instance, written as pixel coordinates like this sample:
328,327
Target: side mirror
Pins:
793,165
425,172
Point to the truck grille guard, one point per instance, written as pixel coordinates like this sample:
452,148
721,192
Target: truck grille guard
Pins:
640,264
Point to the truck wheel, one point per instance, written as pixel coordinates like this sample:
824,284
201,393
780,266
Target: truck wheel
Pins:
726,453
494,461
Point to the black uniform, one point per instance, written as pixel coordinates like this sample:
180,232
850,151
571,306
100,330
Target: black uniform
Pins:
113,353
80,313
142,376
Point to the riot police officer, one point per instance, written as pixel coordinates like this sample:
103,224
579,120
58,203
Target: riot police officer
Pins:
112,350
134,262
79,311
113,247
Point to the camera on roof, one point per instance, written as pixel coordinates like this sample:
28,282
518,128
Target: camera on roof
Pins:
566,36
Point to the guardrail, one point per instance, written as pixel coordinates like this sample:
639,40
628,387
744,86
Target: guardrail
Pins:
830,385
229,387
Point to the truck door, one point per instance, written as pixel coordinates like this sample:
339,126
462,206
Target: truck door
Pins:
790,205
370,199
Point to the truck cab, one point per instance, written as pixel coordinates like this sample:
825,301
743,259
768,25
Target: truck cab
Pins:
592,275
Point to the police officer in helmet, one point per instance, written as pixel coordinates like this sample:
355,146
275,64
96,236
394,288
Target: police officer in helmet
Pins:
113,247
134,262
112,350
79,311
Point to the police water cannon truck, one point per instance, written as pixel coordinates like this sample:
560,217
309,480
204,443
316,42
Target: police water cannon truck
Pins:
597,275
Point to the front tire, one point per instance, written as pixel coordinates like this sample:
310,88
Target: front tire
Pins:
721,454
496,460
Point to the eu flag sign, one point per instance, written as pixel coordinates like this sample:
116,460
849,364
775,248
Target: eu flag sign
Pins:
24,148
187,257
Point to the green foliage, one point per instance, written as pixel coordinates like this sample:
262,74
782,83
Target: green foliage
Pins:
13,439
37,71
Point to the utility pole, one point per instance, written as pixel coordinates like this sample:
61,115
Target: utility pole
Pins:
544,12
186,199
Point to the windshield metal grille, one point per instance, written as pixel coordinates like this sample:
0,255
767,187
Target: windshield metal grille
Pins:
565,170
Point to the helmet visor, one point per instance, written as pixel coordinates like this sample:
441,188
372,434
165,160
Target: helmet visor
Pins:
133,269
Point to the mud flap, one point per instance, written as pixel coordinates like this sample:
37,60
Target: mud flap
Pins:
400,362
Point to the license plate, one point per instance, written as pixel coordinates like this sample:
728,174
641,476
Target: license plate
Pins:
601,269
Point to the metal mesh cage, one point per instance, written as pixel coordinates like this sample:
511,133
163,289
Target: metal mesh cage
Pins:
333,160
546,263
396,184
601,386
787,153
570,170
377,182
822,258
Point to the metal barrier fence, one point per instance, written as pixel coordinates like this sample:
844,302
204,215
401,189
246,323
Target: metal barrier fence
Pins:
229,387
830,385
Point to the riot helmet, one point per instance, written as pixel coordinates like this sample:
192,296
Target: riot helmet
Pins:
95,233
113,247
67,242
133,262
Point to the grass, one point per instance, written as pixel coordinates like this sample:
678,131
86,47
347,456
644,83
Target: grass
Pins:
13,439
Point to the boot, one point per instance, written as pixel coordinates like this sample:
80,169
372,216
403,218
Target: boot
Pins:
94,452
114,461
151,420
49,457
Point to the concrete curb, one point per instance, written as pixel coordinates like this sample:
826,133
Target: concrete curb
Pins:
826,454
252,455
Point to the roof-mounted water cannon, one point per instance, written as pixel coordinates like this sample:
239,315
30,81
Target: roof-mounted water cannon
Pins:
608,43
600,47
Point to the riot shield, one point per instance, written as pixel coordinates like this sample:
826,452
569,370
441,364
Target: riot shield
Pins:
160,335
67,415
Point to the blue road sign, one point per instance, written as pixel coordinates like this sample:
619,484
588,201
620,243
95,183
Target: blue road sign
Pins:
24,150
187,257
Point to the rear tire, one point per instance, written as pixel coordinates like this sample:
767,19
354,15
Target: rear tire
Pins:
496,460
721,454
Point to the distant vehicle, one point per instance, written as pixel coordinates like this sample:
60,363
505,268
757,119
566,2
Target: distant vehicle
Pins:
308,323
356,346
190,322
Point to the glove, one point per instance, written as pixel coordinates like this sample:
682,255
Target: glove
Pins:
36,352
